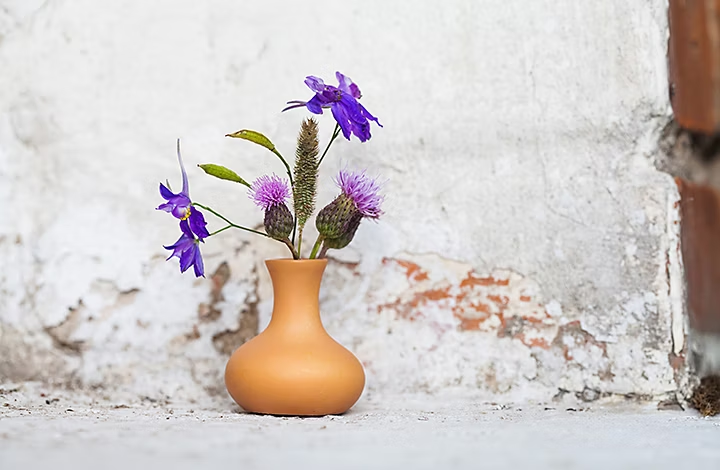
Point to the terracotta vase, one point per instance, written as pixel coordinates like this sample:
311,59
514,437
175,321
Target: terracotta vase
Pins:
294,367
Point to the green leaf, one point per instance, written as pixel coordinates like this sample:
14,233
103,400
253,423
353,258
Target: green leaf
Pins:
223,173
253,136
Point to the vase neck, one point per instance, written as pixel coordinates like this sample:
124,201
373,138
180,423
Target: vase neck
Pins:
296,291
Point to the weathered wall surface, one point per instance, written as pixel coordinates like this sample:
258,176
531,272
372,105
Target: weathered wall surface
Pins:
529,245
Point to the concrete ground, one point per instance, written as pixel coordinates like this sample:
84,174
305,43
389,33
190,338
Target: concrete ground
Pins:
61,430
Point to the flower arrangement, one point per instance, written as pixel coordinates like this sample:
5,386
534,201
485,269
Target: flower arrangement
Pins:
336,223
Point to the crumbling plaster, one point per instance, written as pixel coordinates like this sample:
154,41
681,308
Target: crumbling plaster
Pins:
529,246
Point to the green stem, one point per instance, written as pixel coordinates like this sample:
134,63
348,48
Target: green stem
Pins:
316,247
299,243
230,224
287,167
336,133
291,248
221,230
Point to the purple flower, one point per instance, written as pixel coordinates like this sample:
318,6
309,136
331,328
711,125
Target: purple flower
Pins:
188,250
351,116
180,205
363,191
269,191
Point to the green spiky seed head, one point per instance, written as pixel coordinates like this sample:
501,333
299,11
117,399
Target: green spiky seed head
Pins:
306,171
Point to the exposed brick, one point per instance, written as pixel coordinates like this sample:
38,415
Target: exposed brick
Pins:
700,238
694,56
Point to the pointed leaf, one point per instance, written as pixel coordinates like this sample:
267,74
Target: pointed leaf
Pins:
223,173
253,136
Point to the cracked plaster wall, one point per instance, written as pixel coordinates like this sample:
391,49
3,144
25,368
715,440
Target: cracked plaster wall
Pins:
529,246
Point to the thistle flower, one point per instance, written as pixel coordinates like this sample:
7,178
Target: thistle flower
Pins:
306,172
351,116
180,205
187,249
270,193
363,191
338,221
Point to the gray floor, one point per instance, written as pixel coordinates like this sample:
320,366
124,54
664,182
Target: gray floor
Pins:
420,434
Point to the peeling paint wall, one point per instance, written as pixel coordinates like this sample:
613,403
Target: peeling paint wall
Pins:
529,247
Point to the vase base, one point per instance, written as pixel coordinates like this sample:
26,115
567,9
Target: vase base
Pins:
291,415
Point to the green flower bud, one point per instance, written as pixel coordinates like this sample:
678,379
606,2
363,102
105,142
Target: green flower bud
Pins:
348,234
336,218
278,221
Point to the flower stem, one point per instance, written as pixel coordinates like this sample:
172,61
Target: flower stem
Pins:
299,243
323,252
287,167
316,247
221,230
230,224
336,133
291,248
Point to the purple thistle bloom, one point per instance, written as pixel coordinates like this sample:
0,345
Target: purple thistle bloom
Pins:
188,250
180,205
269,191
363,191
351,116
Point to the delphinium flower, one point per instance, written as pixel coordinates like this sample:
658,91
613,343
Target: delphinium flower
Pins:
351,116
360,198
271,194
187,249
192,223
180,205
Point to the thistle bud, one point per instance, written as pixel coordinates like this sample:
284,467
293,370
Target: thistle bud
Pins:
335,219
347,236
278,221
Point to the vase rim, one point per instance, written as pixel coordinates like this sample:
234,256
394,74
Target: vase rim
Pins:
296,261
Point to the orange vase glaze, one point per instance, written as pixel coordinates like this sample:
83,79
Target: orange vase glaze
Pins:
294,367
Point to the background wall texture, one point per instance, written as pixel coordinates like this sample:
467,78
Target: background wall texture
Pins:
529,246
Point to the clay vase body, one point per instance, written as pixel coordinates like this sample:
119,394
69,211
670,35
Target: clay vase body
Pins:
294,367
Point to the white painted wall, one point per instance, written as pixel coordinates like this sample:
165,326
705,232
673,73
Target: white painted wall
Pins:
518,144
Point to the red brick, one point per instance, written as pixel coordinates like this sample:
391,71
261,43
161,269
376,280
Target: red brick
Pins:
694,57
700,242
